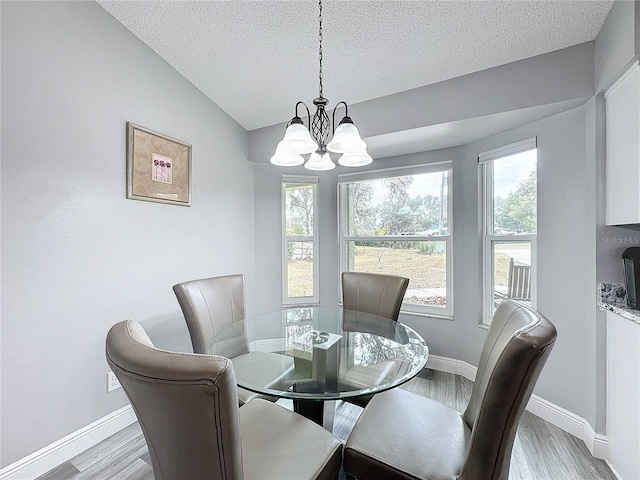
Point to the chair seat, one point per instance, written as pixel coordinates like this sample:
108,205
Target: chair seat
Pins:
279,444
262,368
404,417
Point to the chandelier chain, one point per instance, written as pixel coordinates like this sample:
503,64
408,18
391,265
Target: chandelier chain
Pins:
320,49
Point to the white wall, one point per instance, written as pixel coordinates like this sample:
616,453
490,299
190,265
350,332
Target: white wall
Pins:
77,256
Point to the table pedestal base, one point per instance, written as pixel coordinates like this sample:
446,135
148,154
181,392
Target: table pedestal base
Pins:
321,412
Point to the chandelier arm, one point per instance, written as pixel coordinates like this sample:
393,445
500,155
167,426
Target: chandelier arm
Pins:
308,113
346,114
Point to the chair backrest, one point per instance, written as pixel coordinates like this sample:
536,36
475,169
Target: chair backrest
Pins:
210,305
517,346
187,405
519,282
373,293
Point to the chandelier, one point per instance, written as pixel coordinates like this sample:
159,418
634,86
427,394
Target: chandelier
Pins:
300,139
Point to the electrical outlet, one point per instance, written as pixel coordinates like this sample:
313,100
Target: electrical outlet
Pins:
112,382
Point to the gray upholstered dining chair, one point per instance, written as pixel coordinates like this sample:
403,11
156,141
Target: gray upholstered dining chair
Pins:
187,407
373,293
210,305
408,436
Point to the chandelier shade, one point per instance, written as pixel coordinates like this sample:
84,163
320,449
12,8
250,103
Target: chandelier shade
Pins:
346,138
297,138
286,158
356,159
320,161
314,138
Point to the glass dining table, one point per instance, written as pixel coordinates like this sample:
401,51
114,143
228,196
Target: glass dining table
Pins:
316,355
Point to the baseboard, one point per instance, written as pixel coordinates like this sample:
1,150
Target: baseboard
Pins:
613,470
68,447
571,423
444,364
451,365
558,416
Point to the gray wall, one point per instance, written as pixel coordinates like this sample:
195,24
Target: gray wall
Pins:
615,43
566,260
77,256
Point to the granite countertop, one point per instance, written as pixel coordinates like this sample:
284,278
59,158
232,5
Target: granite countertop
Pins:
622,310
613,297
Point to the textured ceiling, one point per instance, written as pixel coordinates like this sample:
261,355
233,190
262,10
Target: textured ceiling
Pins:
255,59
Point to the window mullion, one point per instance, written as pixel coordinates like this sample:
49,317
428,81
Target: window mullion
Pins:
300,238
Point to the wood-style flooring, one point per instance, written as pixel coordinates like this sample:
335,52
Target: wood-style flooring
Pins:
541,450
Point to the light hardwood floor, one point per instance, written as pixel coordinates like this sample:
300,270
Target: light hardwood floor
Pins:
541,450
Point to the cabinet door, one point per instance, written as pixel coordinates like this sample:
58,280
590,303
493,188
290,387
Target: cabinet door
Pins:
623,395
623,149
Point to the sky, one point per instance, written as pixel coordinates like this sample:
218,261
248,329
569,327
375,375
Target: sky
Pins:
509,172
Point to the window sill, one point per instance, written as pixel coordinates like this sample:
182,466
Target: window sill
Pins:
300,305
421,314
429,315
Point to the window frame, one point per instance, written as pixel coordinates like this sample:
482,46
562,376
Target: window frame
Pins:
344,238
486,163
287,239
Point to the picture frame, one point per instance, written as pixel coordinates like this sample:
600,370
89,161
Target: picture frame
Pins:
158,167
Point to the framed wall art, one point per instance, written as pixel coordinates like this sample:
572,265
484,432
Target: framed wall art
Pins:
158,167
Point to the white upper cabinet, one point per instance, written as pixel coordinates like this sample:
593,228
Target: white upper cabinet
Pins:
623,149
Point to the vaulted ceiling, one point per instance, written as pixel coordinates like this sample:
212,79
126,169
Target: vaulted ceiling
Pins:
255,59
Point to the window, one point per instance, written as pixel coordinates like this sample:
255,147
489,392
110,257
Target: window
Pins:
509,224
300,240
398,222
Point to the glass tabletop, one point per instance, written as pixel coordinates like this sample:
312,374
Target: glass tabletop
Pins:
321,353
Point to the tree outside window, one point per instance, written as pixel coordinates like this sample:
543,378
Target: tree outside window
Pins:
400,226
